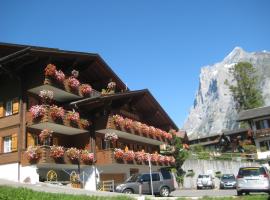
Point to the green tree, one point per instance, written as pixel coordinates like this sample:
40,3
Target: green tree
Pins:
180,155
245,92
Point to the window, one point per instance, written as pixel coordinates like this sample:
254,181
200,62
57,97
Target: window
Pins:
7,144
146,178
155,177
8,108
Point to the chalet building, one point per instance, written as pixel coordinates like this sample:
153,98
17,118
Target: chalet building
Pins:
211,142
232,141
259,121
66,116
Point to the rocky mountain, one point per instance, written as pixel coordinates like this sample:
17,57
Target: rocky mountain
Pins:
213,108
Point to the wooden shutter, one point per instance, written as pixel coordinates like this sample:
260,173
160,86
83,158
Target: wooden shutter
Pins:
1,145
14,142
1,109
15,106
30,140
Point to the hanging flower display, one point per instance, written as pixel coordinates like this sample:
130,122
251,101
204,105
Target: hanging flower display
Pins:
33,153
73,83
111,85
154,157
57,152
50,70
45,134
111,136
161,159
137,125
119,120
75,73
87,157
139,156
129,155
128,123
118,154
59,76
85,123
73,116
85,89
172,160
73,153
57,112
145,129
37,111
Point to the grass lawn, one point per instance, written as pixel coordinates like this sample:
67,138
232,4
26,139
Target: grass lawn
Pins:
10,193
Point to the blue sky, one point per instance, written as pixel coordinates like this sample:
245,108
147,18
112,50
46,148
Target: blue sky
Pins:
154,44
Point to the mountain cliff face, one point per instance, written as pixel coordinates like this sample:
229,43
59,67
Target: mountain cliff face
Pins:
213,109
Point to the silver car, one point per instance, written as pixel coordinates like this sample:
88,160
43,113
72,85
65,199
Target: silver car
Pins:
252,179
205,181
163,184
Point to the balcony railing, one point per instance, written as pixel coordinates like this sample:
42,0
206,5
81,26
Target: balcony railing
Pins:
45,158
62,92
59,125
107,157
136,134
262,133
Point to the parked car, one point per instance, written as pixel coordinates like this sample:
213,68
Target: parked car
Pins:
252,179
205,181
227,181
163,184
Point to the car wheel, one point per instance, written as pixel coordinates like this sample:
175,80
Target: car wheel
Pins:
239,193
128,191
164,192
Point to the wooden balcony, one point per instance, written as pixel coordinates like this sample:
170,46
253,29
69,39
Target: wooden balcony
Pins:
262,133
131,134
64,126
106,157
47,161
61,92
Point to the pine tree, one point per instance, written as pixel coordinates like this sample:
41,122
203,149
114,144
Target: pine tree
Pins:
245,93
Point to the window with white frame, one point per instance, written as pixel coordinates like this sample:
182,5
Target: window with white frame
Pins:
7,144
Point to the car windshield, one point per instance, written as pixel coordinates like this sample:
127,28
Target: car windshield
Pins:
228,177
203,176
133,178
251,171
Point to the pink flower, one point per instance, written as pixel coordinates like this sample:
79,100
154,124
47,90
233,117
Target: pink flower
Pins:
85,89
73,82
37,111
118,154
57,112
129,156
33,153
86,156
73,116
59,76
44,134
111,85
57,151
73,153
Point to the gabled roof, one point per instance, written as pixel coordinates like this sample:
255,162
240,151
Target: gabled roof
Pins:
253,113
143,100
90,65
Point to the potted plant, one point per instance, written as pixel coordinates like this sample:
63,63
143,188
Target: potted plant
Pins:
87,157
110,137
145,129
44,136
37,111
152,131
73,116
57,152
118,154
129,156
128,123
154,158
60,76
33,153
73,154
137,126
172,160
50,70
161,159
73,83
85,89
85,123
110,88
139,156
57,113
118,120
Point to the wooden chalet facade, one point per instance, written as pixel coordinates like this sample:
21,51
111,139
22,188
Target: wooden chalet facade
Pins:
105,134
259,122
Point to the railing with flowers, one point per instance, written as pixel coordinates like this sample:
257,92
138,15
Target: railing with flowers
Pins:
110,156
55,114
56,154
71,84
138,128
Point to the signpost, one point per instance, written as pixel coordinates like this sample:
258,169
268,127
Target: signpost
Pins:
150,169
